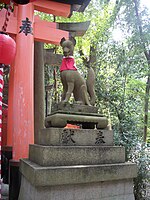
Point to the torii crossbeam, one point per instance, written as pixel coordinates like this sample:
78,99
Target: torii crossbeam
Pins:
25,28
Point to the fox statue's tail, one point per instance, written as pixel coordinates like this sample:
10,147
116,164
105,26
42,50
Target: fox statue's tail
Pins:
90,82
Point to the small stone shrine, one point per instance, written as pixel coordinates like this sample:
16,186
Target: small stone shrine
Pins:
76,164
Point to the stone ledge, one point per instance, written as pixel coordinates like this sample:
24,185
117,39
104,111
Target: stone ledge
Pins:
76,137
75,155
90,120
63,175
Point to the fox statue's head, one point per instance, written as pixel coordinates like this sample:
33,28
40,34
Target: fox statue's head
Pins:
68,46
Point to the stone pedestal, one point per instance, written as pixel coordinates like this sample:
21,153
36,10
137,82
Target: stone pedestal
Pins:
76,164
73,108
108,190
75,137
87,120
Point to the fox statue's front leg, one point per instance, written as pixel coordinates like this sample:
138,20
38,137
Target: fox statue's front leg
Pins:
67,78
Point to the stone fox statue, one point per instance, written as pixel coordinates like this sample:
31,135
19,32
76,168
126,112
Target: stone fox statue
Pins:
71,79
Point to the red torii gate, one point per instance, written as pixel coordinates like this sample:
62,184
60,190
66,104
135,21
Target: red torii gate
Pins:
21,83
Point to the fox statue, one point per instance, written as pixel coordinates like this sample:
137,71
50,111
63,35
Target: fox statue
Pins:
71,79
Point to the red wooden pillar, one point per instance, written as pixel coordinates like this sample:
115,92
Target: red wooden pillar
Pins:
10,99
23,115
10,106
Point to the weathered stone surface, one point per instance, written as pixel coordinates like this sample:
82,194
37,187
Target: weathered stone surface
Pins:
74,108
76,29
4,191
78,155
76,137
60,119
52,59
39,92
64,175
109,190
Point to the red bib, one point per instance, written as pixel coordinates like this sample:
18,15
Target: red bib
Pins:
68,63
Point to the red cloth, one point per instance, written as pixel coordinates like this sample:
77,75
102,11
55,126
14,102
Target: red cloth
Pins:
68,63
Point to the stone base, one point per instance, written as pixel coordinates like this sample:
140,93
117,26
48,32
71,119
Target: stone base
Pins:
87,120
77,174
74,108
109,190
75,137
76,164
75,155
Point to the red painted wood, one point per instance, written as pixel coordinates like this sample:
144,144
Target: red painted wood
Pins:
46,32
12,25
20,102
52,7
1,92
23,84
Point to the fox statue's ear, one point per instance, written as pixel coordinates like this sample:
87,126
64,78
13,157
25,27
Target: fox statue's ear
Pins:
72,39
62,40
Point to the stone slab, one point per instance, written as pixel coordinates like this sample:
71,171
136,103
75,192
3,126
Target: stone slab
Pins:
74,28
64,175
74,108
76,137
60,119
75,155
109,190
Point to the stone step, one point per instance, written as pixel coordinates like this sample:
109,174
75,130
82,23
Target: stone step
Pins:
65,175
75,155
76,137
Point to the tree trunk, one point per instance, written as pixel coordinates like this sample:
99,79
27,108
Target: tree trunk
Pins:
147,55
146,106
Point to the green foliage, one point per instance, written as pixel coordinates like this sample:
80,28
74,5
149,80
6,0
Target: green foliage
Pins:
121,81
141,156
2,5
120,89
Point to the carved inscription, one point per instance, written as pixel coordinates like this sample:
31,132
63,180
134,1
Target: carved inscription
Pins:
67,135
100,138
